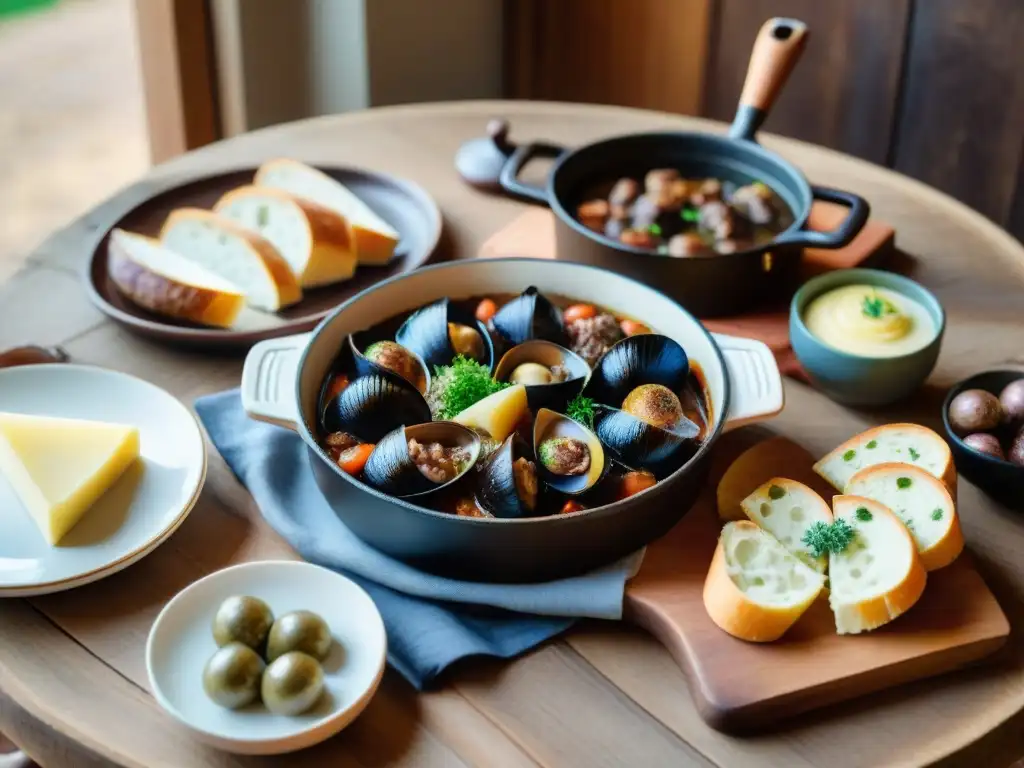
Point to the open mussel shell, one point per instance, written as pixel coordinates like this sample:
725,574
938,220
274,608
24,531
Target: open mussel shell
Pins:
373,405
640,445
438,332
530,316
392,469
647,358
390,357
499,493
536,359
550,425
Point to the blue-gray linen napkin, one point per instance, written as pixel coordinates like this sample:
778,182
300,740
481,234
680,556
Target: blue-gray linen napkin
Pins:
431,621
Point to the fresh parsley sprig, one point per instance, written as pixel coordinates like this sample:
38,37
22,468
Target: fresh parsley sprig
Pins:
821,537
581,410
462,384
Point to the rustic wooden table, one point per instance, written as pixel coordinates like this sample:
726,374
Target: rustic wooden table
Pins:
73,687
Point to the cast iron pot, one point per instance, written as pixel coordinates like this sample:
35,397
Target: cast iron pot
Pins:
282,379
713,285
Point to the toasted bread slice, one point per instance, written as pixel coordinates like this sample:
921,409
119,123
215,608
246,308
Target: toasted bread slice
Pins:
756,589
775,457
242,257
375,238
879,576
923,504
786,509
316,242
166,283
910,443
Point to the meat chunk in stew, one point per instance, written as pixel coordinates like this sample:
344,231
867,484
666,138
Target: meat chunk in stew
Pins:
438,463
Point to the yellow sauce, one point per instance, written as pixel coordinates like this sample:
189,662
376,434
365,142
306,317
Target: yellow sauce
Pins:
869,321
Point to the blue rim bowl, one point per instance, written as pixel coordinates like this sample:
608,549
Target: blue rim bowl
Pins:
859,380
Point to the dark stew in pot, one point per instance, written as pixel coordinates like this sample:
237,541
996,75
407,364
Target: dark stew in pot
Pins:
512,406
681,217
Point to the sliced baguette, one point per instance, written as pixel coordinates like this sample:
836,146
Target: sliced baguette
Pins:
879,576
242,257
775,457
166,283
786,509
316,242
910,443
755,589
375,238
921,502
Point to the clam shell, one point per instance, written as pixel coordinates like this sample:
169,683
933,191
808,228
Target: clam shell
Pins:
640,445
373,405
549,354
550,424
390,469
648,358
497,493
530,316
425,333
364,366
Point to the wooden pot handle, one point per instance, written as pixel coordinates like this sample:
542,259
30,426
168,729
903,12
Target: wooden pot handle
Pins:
776,50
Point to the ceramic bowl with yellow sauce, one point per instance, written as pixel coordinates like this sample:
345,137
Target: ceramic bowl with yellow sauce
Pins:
866,337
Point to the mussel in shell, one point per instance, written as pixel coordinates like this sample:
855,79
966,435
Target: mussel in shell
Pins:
570,457
440,331
392,357
508,483
640,444
423,458
373,405
648,358
530,316
552,374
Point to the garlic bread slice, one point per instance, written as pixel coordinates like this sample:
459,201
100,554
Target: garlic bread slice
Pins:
786,509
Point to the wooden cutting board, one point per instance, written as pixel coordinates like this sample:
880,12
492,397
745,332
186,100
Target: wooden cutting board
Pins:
740,686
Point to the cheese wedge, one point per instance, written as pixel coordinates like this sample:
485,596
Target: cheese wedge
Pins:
60,467
786,509
921,502
775,457
317,243
496,414
910,443
756,589
375,238
166,283
241,257
879,576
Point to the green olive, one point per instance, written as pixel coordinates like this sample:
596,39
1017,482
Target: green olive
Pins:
654,404
292,684
299,631
242,619
232,676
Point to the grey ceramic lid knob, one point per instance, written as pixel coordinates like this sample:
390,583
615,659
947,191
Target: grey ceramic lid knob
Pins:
479,161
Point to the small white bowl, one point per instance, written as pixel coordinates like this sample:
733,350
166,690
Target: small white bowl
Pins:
181,642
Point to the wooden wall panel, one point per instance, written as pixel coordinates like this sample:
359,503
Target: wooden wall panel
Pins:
961,123
642,53
844,91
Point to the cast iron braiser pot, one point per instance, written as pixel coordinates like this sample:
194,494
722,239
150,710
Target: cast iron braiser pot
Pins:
714,285
282,380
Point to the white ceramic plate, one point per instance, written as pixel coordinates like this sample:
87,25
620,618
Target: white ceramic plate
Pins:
181,642
135,516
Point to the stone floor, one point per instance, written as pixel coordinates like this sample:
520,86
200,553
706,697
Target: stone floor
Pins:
72,120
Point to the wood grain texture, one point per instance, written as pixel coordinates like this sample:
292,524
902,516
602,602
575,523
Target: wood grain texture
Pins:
625,685
843,93
644,53
962,117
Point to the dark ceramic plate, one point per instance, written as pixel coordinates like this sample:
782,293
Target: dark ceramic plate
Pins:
404,205
1000,479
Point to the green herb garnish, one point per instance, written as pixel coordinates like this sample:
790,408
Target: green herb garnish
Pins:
875,306
914,455
775,493
655,230
691,215
262,216
863,514
903,483
823,537
848,456
937,514
462,384
872,445
581,410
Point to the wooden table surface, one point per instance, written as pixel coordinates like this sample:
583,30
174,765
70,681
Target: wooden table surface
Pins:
73,687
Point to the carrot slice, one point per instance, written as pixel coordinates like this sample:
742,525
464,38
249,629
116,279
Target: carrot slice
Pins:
337,384
633,328
485,310
352,460
634,482
571,506
579,312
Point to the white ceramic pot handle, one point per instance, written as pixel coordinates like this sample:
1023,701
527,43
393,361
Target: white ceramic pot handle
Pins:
268,380
754,379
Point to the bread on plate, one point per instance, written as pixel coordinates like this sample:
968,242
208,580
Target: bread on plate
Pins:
786,509
774,457
316,242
